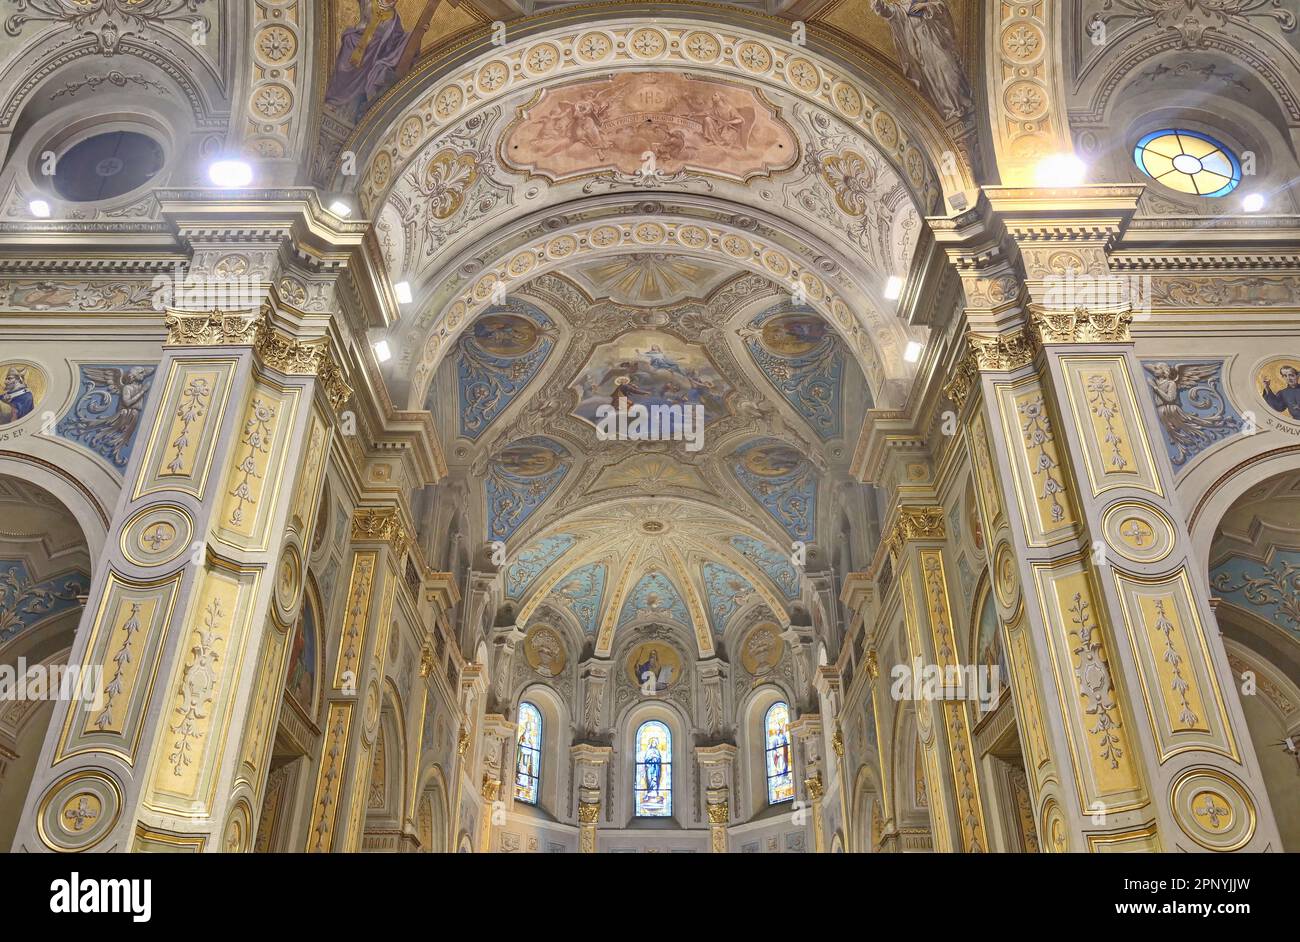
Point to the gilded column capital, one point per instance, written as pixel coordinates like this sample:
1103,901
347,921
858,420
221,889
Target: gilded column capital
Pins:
815,787
381,525
491,788
214,328
989,353
917,523
720,812
462,742
295,357
837,738
873,665
1081,325
588,812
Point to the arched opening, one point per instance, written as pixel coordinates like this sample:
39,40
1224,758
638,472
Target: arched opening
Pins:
1252,565
44,577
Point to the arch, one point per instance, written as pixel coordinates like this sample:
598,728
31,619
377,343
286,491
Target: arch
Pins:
866,819
1214,502
771,247
632,719
442,90
751,741
45,568
553,765
777,753
435,801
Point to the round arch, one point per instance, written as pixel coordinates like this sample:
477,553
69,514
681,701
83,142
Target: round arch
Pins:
870,96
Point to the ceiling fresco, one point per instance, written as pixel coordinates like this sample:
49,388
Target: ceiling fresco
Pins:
631,121
614,533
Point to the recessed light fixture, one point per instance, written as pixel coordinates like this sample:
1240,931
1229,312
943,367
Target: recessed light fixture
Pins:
1253,203
913,351
340,209
1061,170
382,351
39,208
403,291
231,173
894,288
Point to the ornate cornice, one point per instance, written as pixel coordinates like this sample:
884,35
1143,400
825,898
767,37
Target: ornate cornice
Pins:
1080,325
381,525
989,352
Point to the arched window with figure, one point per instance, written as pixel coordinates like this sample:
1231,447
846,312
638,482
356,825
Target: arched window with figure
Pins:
528,753
653,792
780,777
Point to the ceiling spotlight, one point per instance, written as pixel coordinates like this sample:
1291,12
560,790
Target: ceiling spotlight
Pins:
894,288
39,208
1253,203
340,209
913,351
231,173
403,291
382,351
1061,170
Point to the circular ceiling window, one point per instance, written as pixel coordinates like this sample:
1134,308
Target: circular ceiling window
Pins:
107,165
1189,162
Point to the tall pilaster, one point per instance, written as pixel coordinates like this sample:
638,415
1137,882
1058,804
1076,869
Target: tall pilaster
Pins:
590,764
356,671
717,774
498,735
203,574
1120,682
594,676
806,732
917,548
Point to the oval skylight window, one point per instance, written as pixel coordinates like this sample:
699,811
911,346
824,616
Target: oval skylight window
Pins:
1189,162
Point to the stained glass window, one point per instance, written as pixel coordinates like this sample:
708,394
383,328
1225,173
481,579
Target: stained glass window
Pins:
528,753
780,777
1189,162
653,790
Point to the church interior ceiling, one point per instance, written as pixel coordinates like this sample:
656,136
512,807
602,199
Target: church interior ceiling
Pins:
550,426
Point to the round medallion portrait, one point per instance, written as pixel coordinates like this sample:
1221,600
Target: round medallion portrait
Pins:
22,390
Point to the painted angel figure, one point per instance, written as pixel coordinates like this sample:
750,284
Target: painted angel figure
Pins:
1187,432
927,51
111,434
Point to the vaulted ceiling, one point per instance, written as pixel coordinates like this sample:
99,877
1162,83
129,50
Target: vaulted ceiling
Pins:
604,534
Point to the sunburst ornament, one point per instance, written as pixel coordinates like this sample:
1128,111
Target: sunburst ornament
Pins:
1189,162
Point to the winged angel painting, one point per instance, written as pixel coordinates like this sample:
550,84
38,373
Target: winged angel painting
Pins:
1190,405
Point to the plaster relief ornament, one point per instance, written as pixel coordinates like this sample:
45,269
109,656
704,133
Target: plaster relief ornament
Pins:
544,649
762,650
926,44
665,121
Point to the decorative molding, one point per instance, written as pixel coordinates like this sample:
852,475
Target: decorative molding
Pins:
1001,353
212,329
381,525
1080,325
